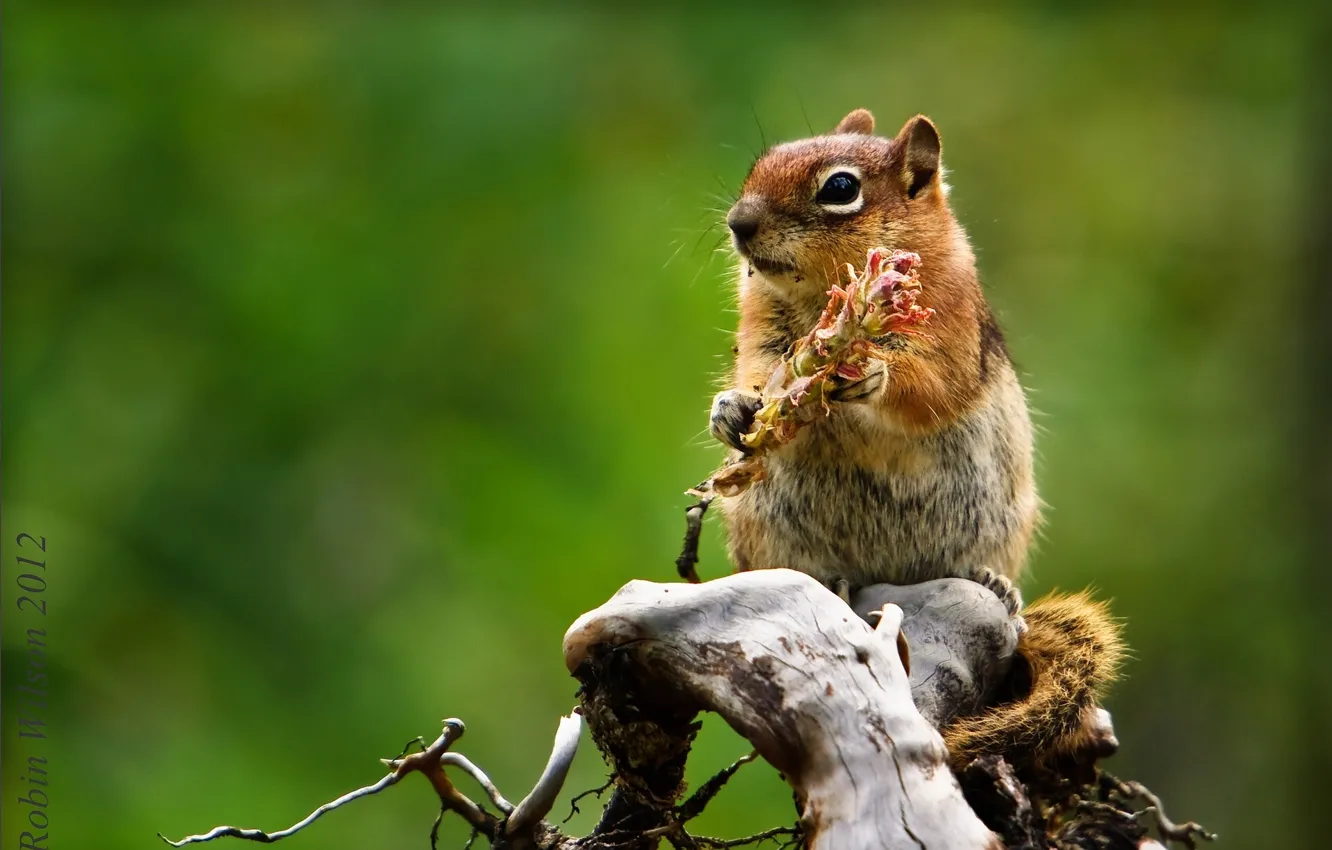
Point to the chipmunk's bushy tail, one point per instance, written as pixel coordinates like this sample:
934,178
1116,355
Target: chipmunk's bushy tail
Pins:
1071,653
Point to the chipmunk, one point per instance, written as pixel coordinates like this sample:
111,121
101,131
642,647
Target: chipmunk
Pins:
922,469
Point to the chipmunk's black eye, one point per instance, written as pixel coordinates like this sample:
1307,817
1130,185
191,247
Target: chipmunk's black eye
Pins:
840,188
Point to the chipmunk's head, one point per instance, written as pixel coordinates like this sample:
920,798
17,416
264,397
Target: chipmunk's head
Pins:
810,206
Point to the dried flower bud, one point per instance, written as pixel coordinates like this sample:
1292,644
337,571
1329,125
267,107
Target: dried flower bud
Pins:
877,301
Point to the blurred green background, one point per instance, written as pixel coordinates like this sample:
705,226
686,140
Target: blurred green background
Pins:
351,353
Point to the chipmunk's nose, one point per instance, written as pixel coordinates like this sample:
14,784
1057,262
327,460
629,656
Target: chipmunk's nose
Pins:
743,219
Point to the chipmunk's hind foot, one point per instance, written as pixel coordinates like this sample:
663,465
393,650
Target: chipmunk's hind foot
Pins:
1002,587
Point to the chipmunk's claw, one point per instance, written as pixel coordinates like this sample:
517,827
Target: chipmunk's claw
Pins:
1002,587
861,390
841,587
732,416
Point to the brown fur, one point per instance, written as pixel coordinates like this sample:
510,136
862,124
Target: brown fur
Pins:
930,474
1072,651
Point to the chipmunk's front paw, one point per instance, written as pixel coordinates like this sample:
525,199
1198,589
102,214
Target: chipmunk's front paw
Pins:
1007,592
864,388
732,415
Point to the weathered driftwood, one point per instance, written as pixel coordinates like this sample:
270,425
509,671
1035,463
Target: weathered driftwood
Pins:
821,695
961,638
846,710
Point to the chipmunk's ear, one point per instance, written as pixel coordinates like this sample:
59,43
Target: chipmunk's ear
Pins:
918,151
857,121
